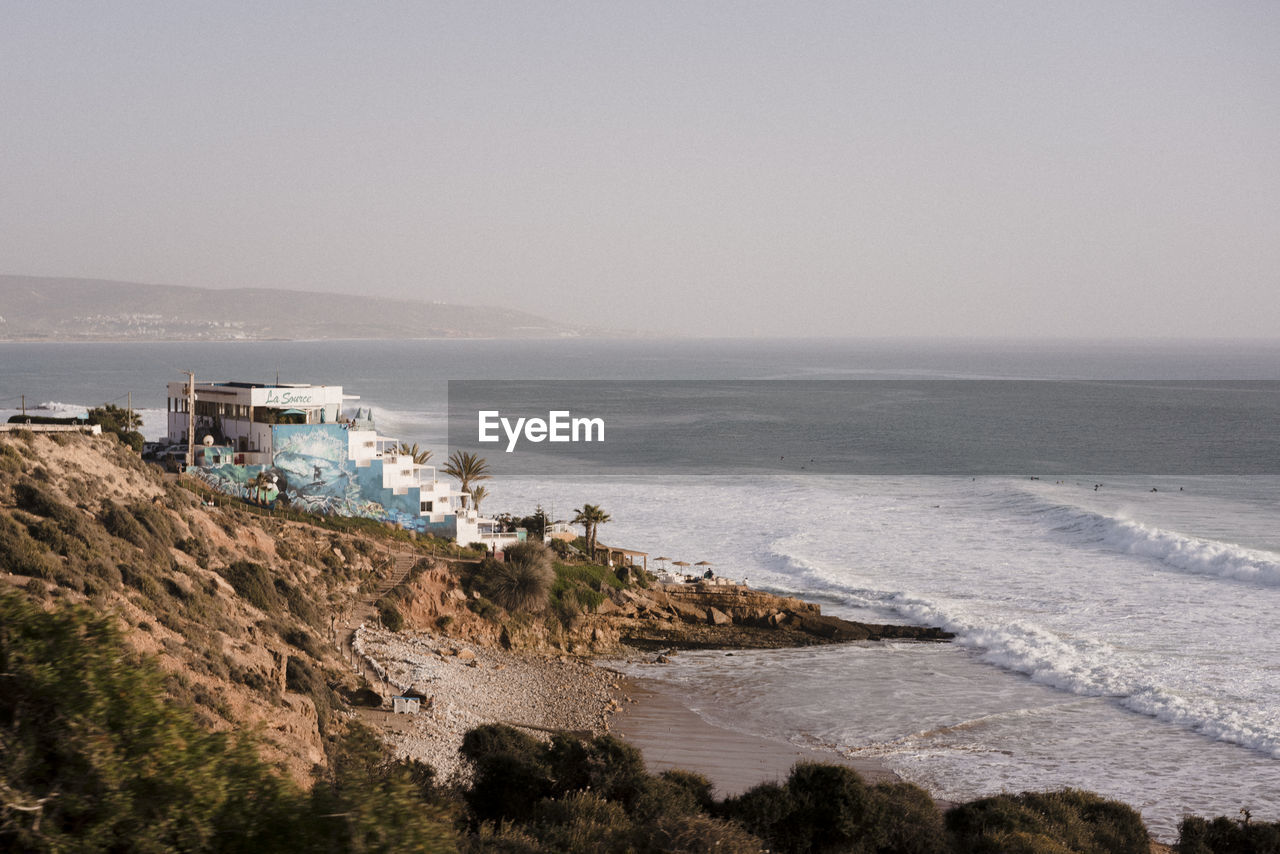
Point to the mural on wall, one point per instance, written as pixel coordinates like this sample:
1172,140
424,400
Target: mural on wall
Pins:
251,483
311,471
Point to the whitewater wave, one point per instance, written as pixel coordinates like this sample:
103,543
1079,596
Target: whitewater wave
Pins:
1078,665
58,409
1173,550
154,421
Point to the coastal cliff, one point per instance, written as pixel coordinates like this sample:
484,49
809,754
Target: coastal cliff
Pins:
249,644
638,617
252,615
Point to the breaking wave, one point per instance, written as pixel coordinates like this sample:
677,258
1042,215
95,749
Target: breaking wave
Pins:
1076,664
1171,549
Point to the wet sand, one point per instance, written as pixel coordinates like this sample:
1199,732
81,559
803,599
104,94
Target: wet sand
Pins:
672,736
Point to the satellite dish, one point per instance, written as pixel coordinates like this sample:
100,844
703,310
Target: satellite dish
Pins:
208,441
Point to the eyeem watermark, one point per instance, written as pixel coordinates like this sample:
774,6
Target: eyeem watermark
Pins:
558,426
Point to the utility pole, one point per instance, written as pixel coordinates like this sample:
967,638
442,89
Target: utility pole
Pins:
191,417
128,422
24,406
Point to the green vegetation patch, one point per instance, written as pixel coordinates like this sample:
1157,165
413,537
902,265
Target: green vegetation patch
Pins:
21,554
252,581
580,588
1065,820
95,759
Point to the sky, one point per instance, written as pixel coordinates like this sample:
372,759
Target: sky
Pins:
942,168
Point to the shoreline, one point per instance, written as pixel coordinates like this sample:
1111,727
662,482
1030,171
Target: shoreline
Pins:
670,735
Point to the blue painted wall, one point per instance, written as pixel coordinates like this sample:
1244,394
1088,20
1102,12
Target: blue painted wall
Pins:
312,470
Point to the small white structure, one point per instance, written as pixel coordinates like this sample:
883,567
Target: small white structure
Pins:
405,705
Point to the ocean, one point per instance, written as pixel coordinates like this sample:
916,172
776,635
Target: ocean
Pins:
1115,632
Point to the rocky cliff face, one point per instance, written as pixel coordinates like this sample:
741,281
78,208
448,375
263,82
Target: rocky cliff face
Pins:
686,616
699,616
240,610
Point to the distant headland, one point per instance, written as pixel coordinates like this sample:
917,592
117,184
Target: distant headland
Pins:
38,308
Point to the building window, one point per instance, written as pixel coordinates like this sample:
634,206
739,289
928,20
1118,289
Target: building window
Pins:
426,507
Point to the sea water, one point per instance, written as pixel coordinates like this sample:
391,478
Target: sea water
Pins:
1118,634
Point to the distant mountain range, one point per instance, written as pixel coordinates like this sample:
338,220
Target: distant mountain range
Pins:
53,309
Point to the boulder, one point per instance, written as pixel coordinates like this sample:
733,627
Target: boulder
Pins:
716,617
687,612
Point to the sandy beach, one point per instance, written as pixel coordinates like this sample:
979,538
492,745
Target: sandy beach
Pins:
542,693
672,736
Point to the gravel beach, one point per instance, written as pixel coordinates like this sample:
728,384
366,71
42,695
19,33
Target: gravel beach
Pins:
469,686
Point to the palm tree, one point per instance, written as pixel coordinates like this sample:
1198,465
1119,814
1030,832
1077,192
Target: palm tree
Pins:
419,456
590,517
467,468
478,494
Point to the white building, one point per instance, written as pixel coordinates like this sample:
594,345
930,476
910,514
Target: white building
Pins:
319,455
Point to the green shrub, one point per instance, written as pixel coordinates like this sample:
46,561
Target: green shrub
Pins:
482,607
390,615
300,677
583,823
196,548
829,808
121,423
510,773
371,805
302,640
1228,836
908,820
85,719
696,832
47,531
156,520
251,678
108,572
37,498
300,605
1065,820
521,581
252,582
9,463
120,523
23,555
143,581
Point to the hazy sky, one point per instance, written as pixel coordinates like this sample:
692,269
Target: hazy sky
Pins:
892,168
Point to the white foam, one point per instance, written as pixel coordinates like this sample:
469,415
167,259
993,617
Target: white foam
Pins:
154,421
1174,550
1077,663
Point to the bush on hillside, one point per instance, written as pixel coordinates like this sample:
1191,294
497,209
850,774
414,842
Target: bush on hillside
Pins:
510,773
1032,822
389,614
73,701
252,582
1228,836
20,554
829,808
520,582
